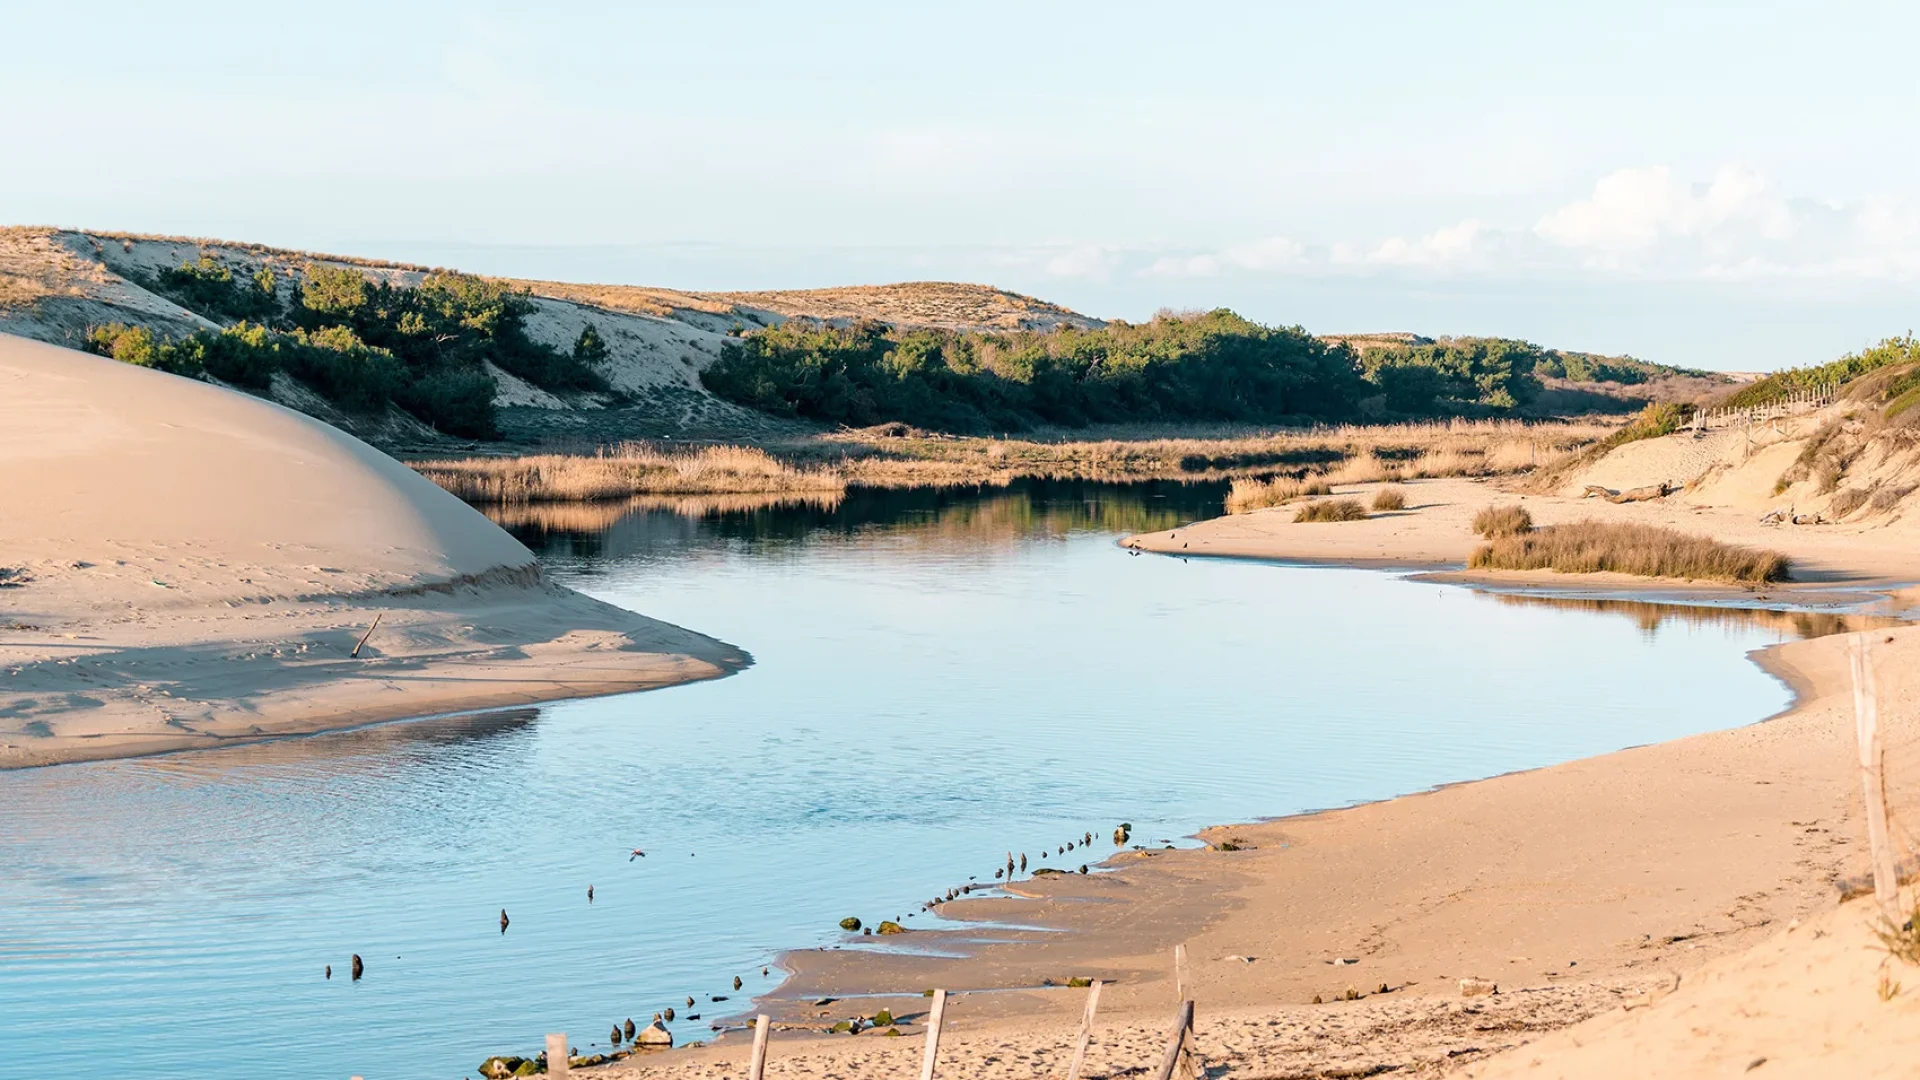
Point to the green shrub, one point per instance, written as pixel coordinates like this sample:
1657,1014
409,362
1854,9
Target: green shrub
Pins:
1496,521
1215,366
1332,510
456,402
1835,373
209,287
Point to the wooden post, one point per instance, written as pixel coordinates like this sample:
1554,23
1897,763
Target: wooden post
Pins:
1182,981
1866,713
933,1034
757,1066
1086,1031
1177,1042
557,1055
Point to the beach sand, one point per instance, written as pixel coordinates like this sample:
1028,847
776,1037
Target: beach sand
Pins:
1666,910
183,566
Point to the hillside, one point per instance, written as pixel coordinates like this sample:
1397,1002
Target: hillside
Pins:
57,285
428,360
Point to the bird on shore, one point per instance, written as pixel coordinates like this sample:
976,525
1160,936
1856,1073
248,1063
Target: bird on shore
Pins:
637,854
503,920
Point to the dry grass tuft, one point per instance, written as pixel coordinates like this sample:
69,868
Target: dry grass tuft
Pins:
1332,510
1494,522
1390,498
628,470
1250,495
1847,501
1591,547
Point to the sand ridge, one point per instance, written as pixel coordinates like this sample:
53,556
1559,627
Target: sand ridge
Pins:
186,566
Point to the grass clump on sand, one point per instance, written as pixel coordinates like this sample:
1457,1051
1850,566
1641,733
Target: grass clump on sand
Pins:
1332,510
1590,547
1494,522
631,469
1249,495
1390,498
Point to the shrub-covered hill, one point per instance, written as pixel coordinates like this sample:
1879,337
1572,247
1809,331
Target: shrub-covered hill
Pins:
1213,366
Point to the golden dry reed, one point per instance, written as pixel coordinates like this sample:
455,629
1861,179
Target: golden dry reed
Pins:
1332,510
624,471
1590,547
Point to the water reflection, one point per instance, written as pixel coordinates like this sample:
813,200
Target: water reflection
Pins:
996,516
1650,615
942,677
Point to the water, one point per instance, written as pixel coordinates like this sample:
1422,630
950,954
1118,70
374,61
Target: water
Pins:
940,678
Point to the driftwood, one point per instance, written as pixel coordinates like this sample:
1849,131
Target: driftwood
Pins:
1631,495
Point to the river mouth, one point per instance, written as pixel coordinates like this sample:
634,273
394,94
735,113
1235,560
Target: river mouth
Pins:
942,677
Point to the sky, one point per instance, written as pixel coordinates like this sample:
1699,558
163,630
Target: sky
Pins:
1719,185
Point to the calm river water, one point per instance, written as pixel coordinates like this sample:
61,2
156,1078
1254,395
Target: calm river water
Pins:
940,677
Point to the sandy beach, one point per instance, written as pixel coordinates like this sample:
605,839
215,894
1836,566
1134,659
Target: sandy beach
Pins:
187,567
1668,910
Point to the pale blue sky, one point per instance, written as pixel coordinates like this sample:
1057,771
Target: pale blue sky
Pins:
1732,185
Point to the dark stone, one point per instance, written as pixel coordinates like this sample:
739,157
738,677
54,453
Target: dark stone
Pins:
357,967
630,1027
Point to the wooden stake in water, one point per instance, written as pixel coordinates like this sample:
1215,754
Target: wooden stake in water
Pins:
1086,1031
933,1034
1866,714
557,1055
1182,981
757,1066
1177,1043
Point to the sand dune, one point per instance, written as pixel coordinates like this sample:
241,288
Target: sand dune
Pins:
187,566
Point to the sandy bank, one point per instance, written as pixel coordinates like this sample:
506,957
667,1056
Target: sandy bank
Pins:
1582,890
188,566
1435,531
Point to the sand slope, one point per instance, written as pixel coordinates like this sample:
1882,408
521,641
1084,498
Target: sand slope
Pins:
188,565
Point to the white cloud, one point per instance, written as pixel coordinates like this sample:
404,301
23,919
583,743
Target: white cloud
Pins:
1449,246
1094,261
1269,253
1635,210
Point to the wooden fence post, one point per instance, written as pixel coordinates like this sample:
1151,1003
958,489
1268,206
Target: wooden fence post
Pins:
1086,1031
1873,785
1182,981
934,1018
557,1056
1177,1042
757,1065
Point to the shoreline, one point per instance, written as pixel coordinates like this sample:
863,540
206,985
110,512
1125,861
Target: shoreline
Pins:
205,677
1415,887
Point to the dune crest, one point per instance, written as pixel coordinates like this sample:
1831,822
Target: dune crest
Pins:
186,565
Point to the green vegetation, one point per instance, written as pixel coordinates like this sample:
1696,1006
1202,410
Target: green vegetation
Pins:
1834,373
1657,419
1590,547
210,288
1497,521
362,343
1332,510
1216,366
1454,375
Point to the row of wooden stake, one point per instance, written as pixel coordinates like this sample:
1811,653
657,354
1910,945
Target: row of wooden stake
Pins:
1179,1056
